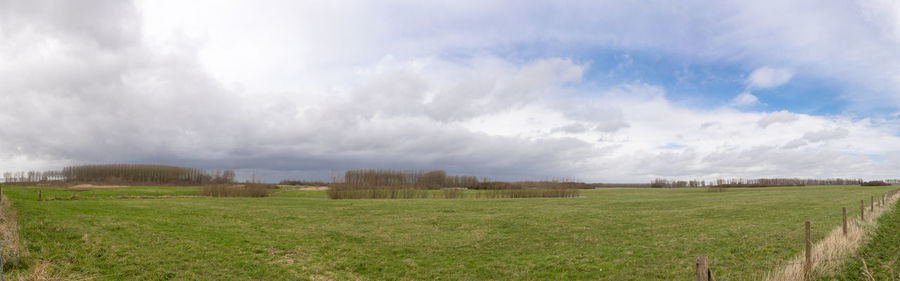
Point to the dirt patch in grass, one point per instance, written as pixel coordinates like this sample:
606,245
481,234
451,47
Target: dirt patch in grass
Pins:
91,186
313,188
287,257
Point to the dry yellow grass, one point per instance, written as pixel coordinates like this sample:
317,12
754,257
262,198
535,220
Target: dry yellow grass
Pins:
828,253
9,233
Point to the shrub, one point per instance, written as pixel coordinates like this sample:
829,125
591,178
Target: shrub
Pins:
387,184
454,193
344,191
495,185
418,179
874,183
236,190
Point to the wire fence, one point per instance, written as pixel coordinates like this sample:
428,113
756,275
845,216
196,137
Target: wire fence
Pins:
733,267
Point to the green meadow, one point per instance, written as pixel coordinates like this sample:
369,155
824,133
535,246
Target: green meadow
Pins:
159,233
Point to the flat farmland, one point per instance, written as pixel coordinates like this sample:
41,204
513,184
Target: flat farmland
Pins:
154,233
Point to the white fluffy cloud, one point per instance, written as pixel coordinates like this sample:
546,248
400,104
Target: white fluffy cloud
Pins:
777,117
745,99
767,77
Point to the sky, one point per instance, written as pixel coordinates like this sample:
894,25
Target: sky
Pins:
597,91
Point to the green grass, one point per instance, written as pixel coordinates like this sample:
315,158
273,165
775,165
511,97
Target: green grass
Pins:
882,253
610,234
51,193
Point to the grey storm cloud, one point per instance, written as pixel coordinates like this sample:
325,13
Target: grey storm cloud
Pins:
104,96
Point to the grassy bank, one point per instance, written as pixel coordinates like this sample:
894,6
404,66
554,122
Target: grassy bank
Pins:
881,253
609,234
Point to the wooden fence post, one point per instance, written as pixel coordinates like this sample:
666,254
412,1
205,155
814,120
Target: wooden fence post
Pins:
39,194
702,269
845,221
872,203
862,209
807,266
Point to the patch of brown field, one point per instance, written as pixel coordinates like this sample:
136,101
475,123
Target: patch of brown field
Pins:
157,197
285,257
92,186
313,188
835,246
41,270
38,272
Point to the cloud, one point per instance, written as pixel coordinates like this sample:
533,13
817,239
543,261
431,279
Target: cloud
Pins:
824,135
275,90
744,99
795,143
851,44
767,77
574,128
777,117
817,136
706,125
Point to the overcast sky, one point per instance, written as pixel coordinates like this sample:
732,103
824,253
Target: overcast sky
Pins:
612,91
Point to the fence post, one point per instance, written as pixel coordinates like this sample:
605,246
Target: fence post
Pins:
845,221
39,195
872,203
807,266
702,269
862,209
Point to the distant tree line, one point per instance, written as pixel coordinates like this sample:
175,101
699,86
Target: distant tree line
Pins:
875,183
764,182
405,179
397,184
124,174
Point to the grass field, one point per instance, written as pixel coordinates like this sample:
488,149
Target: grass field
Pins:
609,234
